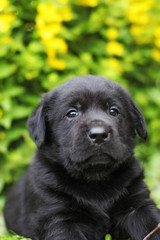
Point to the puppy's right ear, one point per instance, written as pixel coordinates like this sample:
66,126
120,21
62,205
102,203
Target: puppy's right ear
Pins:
36,124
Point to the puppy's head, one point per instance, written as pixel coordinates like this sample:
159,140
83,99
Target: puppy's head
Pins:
88,125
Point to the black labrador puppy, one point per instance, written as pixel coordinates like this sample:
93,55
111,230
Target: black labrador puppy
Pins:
84,181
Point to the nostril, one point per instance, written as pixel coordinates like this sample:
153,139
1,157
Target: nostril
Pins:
92,136
105,135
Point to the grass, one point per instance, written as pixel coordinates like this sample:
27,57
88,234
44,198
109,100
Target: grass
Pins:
12,237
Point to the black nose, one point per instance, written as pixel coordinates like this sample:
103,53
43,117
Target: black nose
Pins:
99,134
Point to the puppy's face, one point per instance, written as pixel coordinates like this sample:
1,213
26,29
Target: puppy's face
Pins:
88,125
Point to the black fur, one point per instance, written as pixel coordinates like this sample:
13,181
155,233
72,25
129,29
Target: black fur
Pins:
84,181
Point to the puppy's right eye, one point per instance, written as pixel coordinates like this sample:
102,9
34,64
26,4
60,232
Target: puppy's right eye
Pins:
72,114
114,111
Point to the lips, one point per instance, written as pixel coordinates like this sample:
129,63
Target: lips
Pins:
98,166
98,159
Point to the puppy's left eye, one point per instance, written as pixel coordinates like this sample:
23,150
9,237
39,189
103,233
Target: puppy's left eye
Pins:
114,111
72,114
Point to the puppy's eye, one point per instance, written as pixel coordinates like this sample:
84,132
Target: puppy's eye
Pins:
113,111
72,114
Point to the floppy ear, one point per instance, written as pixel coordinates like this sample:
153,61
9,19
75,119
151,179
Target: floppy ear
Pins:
139,121
36,124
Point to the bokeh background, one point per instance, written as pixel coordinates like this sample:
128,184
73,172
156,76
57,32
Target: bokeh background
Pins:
45,42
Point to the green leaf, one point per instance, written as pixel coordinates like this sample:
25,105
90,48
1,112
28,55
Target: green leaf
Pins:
12,91
108,237
6,121
7,69
20,112
12,237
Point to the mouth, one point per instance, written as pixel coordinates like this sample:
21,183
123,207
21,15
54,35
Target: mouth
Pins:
96,167
99,160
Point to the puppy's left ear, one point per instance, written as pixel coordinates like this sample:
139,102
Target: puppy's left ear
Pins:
139,121
36,124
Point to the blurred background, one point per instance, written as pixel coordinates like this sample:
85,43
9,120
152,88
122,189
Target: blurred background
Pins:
45,42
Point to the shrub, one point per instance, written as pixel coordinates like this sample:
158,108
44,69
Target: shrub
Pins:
43,43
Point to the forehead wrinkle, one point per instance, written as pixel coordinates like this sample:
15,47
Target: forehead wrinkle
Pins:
76,97
87,98
86,92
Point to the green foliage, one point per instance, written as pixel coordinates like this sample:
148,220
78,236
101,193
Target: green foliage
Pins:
108,237
43,43
12,237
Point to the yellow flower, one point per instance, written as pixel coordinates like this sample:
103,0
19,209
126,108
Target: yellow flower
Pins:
62,1
39,21
49,13
2,135
49,31
3,5
5,21
51,52
115,64
87,3
5,40
45,7
157,42
144,19
60,45
57,44
141,34
49,23
115,48
66,14
137,29
1,113
157,31
138,11
112,33
56,63
156,54
143,5
140,18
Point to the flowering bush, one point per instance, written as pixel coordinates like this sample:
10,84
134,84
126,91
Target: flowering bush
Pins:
49,24
45,42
